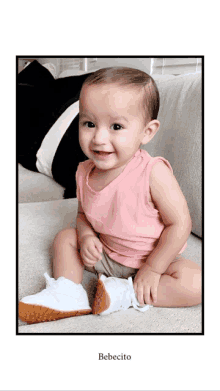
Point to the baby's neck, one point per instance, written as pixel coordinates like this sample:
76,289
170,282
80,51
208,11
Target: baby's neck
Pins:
99,179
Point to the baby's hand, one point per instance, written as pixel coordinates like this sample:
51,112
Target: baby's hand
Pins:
91,249
145,285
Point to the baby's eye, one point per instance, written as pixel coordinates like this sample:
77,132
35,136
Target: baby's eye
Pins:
116,127
89,124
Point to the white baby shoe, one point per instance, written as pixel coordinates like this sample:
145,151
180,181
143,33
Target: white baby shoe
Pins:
62,298
114,294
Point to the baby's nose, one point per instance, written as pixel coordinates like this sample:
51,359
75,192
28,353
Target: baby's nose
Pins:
100,136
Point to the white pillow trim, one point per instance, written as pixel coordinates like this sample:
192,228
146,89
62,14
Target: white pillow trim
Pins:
51,68
51,141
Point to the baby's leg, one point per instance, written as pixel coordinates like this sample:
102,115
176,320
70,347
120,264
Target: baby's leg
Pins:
180,285
66,258
62,298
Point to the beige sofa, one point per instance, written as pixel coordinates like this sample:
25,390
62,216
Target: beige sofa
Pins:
43,212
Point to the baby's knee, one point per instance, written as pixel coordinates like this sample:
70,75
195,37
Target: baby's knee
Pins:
65,237
196,286
190,280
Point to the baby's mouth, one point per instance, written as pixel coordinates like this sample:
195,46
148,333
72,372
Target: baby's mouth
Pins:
102,153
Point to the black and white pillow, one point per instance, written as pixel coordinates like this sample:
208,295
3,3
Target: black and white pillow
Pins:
47,124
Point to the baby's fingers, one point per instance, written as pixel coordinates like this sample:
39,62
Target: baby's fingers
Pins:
139,293
87,261
95,253
154,294
147,298
88,255
98,248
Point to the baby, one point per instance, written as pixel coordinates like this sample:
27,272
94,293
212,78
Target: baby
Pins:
133,221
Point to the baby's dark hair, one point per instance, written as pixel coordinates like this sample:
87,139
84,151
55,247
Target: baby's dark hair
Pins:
130,77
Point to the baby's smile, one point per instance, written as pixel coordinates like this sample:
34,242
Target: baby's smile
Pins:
102,154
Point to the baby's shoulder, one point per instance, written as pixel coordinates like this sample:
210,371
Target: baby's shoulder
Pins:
82,170
160,170
84,166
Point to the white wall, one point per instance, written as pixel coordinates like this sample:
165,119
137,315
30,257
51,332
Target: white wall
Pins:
144,64
54,61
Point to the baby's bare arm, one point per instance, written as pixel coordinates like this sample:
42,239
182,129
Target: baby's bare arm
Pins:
83,226
170,201
89,244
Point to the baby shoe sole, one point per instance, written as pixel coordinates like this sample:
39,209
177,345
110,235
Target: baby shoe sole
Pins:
37,313
102,299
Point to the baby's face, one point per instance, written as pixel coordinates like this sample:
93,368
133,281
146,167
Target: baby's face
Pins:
111,124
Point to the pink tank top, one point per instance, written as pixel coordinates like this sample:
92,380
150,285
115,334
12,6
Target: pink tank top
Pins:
127,224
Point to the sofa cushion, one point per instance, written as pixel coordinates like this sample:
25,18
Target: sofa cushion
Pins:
179,138
47,124
35,187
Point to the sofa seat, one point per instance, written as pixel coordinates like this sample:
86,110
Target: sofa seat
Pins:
39,222
36,187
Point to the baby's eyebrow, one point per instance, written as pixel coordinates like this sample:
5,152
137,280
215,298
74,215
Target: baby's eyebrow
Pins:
89,115
83,115
119,118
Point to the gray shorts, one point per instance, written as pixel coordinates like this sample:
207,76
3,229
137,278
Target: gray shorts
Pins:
110,268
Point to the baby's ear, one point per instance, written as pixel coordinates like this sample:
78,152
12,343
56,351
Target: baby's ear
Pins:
150,130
